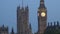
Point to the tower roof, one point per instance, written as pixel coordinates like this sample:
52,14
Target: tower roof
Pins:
41,0
12,30
42,4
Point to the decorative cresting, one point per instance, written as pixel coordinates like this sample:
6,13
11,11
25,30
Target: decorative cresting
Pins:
42,17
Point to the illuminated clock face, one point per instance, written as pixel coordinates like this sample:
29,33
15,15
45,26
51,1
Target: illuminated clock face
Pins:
43,14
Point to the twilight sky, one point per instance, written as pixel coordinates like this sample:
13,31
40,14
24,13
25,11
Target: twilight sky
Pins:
8,12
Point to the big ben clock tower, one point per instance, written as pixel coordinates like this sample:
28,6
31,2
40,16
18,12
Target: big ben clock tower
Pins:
42,17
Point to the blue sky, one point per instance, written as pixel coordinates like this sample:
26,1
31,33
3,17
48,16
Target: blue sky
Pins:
8,12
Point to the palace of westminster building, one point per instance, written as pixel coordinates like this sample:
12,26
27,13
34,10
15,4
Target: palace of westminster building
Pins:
23,25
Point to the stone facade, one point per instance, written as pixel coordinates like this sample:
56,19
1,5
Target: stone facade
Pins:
3,30
42,17
23,20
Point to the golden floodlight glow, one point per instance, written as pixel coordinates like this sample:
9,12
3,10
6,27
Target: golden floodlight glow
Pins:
43,14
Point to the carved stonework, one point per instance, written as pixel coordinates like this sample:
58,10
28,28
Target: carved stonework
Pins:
42,18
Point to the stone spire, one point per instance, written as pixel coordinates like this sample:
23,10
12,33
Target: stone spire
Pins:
30,29
18,7
22,5
26,8
54,23
12,32
48,24
30,26
3,26
57,23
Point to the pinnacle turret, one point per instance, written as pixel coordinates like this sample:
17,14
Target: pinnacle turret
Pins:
12,32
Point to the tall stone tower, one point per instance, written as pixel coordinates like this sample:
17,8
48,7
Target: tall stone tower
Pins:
23,20
42,17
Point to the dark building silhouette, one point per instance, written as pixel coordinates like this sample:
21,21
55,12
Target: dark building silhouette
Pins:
23,25
12,31
4,30
42,17
53,29
55,26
